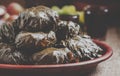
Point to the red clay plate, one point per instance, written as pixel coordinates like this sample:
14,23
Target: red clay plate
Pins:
58,68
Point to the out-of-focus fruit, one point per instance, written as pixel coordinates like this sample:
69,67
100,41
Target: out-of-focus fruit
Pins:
81,16
14,8
6,16
66,10
2,12
1,22
57,9
69,10
2,6
12,17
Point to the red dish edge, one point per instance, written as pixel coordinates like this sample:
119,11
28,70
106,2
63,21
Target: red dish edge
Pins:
107,55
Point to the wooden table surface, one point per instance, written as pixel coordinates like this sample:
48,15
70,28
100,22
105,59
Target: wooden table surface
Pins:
110,67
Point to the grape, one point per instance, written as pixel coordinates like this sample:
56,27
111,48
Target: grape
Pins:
81,16
69,10
55,8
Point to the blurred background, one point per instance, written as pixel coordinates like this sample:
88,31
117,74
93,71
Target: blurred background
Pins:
98,18
92,15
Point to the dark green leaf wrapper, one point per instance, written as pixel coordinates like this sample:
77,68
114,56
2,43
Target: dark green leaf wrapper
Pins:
8,55
38,36
7,33
37,19
30,43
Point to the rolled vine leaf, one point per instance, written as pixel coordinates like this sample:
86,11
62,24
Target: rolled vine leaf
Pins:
7,33
83,47
32,42
67,29
53,56
8,55
36,19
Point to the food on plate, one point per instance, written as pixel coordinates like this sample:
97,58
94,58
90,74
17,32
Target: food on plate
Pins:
54,56
32,42
67,29
38,36
37,19
8,55
7,33
83,47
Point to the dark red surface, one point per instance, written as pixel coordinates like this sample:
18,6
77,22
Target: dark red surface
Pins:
66,69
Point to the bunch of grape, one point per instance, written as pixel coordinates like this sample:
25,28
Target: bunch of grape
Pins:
70,10
10,12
